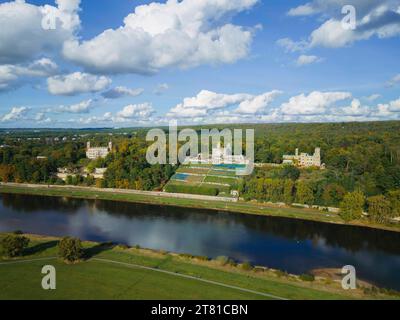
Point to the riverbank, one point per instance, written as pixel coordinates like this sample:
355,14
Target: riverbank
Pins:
119,272
187,201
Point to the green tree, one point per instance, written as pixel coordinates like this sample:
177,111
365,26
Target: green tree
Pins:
290,172
352,206
68,180
6,173
333,194
14,245
100,183
394,198
89,180
288,191
379,209
304,193
70,249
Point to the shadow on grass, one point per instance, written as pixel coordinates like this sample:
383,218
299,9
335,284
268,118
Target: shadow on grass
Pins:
39,248
96,250
88,253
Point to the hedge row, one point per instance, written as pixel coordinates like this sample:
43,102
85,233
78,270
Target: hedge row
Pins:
203,190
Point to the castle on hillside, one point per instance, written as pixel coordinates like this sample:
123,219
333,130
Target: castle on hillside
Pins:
100,152
304,159
219,155
225,156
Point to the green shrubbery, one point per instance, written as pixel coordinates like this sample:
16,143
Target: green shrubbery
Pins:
14,245
190,256
381,208
224,261
307,277
281,274
70,249
246,266
203,190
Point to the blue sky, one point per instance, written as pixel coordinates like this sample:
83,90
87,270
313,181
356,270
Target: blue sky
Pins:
217,61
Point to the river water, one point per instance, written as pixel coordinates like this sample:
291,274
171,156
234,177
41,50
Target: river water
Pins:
295,246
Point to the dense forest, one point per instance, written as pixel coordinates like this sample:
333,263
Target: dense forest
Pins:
36,160
128,168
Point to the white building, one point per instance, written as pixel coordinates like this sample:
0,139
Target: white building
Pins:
219,156
98,173
100,152
304,159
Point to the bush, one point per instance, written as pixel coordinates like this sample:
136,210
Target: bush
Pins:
290,172
281,273
246,266
14,245
123,247
70,249
307,277
202,258
223,261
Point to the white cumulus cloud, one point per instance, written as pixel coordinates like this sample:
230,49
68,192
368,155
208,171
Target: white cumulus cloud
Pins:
355,109
13,76
132,111
313,104
257,104
81,107
303,10
305,60
184,34
379,19
77,83
119,92
207,102
22,36
16,113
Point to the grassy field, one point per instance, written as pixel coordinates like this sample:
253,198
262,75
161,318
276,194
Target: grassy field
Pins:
200,175
241,206
114,272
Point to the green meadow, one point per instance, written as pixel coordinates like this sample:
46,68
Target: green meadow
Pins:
117,272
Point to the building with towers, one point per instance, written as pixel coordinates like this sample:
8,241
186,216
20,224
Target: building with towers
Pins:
99,152
304,159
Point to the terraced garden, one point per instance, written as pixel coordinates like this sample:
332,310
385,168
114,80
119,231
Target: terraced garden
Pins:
219,179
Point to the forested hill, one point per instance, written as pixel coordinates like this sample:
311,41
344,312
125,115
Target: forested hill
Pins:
274,140
357,155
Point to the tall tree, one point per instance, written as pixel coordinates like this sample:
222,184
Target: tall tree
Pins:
379,209
394,198
304,193
352,206
288,191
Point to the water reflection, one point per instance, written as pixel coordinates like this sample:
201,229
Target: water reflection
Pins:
292,245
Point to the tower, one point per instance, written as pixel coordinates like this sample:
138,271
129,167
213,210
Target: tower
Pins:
88,145
317,157
110,145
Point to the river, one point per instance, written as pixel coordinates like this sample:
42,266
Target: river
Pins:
295,246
